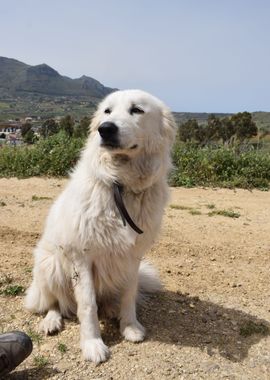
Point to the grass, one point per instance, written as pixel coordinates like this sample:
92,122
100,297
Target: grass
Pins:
36,337
250,328
210,206
5,280
12,290
227,213
8,289
37,198
4,106
62,347
195,212
179,207
41,361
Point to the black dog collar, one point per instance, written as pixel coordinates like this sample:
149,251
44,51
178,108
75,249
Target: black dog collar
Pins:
117,192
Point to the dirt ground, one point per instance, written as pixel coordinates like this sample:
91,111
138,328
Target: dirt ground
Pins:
210,322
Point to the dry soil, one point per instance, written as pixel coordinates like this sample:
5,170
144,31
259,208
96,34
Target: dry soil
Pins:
210,322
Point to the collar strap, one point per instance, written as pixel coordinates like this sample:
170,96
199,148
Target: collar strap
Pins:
117,193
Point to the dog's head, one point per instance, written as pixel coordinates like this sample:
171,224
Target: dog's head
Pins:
130,122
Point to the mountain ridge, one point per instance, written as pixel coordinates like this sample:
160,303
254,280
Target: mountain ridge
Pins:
17,77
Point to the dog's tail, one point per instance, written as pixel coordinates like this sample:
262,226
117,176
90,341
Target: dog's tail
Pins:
149,281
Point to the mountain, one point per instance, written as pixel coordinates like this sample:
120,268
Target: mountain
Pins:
18,78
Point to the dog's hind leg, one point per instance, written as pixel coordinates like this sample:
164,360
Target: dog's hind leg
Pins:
39,298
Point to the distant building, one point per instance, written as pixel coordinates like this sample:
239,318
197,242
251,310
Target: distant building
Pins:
10,133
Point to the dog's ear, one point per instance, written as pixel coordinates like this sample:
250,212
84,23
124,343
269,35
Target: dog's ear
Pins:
169,125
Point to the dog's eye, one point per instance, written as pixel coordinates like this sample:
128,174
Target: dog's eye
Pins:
107,110
136,110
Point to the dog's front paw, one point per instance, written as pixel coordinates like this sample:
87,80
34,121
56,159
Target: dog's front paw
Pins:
134,332
52,323
95,350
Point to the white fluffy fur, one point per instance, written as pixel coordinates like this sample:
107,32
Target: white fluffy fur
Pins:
86,256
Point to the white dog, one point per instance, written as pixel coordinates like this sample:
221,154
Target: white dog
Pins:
104,221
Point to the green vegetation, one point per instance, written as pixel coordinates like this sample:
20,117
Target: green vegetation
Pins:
194,211
28,133
262,119
54,156
2,204
36,198
12,290
62,347
193,166
221,152
36,337
41,361
220,166
179,207
228,213
237,127
211,206
49,127
249,328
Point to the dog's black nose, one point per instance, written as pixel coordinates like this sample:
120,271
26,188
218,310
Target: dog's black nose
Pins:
108,131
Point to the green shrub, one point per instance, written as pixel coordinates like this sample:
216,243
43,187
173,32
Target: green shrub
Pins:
219,166
53,156
12,290
193,166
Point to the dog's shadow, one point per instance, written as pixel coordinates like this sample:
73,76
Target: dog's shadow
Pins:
182,320
31,373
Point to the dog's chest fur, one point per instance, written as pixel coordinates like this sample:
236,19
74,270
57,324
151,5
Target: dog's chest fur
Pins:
101,227
113,249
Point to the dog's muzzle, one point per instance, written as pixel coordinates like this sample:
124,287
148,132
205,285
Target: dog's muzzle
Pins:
110,134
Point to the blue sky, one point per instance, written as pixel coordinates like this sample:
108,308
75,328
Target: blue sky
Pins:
197,56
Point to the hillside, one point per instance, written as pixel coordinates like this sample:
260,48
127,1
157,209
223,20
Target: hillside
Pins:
17,78
40,91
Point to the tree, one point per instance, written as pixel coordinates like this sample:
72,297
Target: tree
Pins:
67,124
28,134
213,128
245,127
188,131
82,129
26,128
227,130
30,137
49,128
